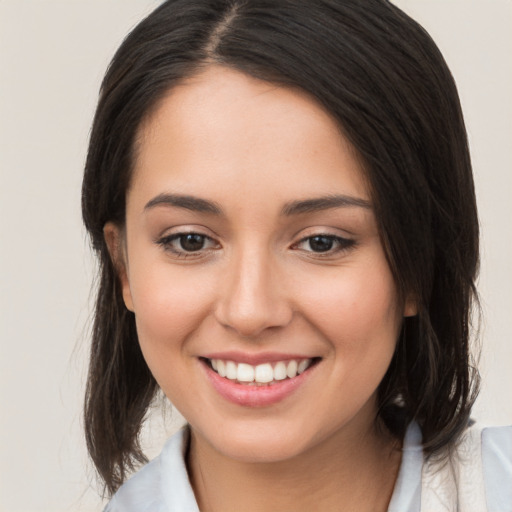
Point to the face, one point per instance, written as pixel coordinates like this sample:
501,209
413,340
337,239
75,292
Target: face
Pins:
264,303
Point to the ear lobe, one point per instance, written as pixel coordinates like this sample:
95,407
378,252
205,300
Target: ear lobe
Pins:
410,306
114,240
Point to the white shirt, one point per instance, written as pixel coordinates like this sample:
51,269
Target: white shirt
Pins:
478,478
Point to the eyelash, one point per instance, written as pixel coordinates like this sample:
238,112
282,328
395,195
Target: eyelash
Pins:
342,244
338,245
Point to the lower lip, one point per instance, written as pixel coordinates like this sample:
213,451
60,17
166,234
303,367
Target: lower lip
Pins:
253,395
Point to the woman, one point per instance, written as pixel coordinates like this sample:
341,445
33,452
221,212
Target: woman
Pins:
280,195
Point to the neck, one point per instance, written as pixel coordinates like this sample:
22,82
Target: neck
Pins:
356,468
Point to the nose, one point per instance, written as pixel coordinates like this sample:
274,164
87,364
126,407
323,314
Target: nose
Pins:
253,297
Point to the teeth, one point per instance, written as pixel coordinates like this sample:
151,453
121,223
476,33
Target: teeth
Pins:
231,370
221,368
262,373
302,366
280,371
245,373
291,369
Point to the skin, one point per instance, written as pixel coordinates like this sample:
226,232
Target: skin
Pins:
258,286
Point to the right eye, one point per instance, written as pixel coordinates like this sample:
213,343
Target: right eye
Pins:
187,244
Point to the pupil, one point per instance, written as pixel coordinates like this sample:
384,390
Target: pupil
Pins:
321,243
192,242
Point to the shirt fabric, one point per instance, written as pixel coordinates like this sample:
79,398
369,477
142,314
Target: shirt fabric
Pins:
476,478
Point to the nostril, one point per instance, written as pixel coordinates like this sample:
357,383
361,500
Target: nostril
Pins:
250,321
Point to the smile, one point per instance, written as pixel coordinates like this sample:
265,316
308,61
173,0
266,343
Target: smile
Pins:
261,374
262,384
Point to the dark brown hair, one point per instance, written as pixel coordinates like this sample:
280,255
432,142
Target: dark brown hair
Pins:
384,80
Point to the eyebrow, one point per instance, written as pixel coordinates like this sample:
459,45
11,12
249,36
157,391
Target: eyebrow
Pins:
195,204
298,207
324,203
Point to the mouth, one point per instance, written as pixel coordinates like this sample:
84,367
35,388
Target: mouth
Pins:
265,374
258,385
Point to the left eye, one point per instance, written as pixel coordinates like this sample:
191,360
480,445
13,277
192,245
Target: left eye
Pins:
324,243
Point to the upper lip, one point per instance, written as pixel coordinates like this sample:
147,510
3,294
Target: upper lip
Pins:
256,358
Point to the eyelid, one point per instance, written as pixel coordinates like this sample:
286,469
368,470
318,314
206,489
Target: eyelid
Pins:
185,229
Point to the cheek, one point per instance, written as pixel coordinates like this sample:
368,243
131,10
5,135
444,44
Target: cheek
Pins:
356,310
357,314
359,301
169,306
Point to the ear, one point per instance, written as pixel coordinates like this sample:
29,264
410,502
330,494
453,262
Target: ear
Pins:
114,238
410,306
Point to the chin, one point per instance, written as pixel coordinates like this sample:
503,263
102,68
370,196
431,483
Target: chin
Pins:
263,441
261,451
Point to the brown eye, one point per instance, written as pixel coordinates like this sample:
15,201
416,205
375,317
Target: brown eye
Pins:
187,244
321,243
325,244
192,242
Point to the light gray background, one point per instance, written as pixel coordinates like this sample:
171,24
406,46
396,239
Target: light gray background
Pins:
52,57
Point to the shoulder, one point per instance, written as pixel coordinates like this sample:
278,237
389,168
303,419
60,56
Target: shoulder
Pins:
161,485
497,467
141,492
476,476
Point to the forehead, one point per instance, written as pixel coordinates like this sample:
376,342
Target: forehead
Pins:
223,129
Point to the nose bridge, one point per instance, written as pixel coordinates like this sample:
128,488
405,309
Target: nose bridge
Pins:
253,298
